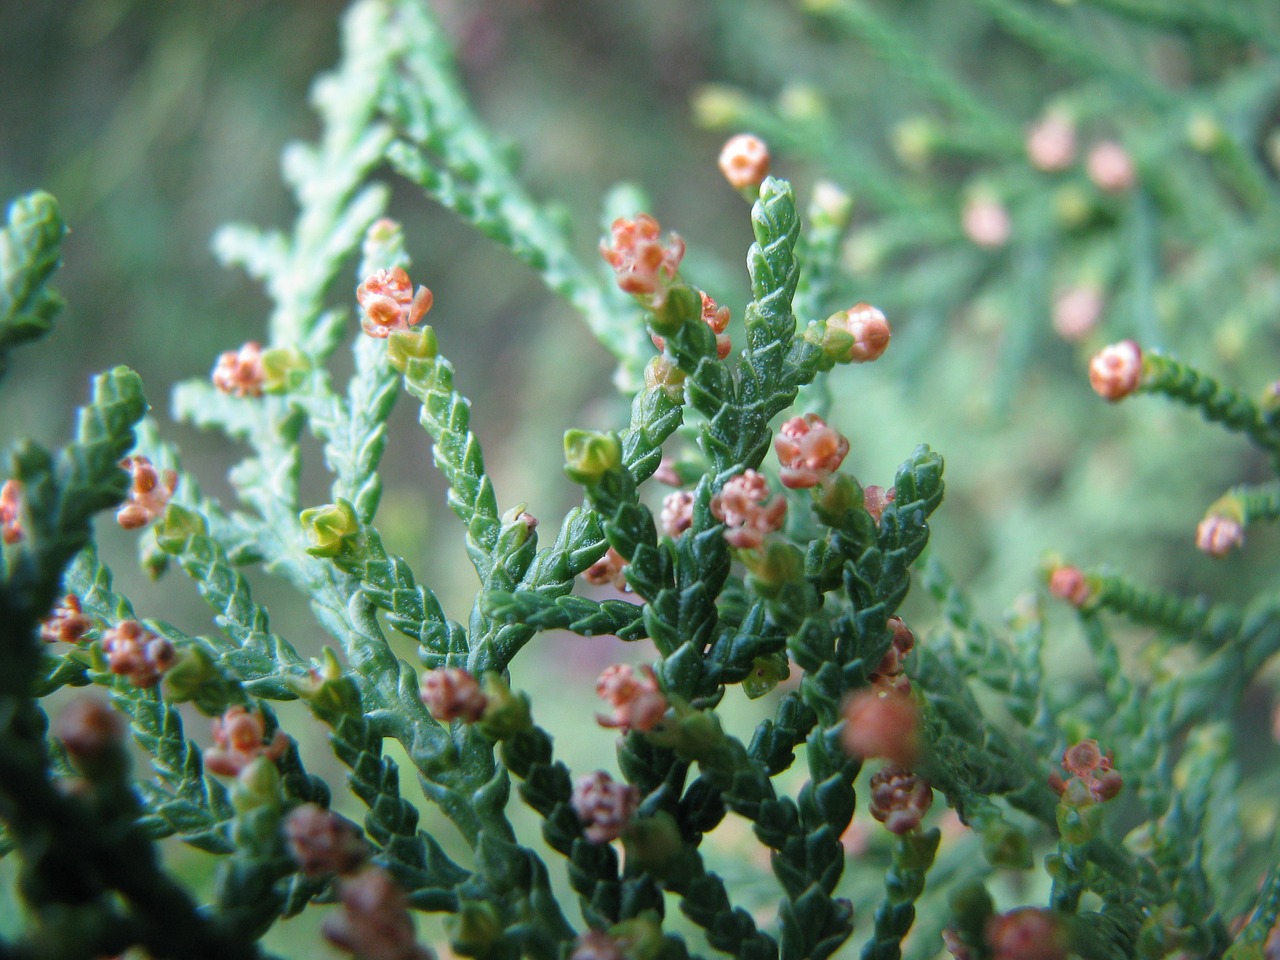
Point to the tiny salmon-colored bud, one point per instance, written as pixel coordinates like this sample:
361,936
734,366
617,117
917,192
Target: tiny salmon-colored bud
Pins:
1082,758
1051,143
149,494
1110,167
636,698
875,499
809,451
1218,535
677,513
1076,312
609,570
10,507
748,511
899,799
323,843
374,922
882,724
452,694
1070,584
604,806
744,161
239,737
135,652
868,328
1028,933
986,223
643,264
1116,371
390,303
67,623
90,730
596,945
240,372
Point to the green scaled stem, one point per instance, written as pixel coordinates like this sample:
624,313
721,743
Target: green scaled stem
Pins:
1161,374
30,244
913,855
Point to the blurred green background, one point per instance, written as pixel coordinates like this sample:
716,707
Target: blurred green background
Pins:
155,122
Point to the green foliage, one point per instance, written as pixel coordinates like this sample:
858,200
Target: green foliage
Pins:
1115,807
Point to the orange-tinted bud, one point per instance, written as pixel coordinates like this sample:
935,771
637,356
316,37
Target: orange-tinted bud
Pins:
1116,370
744,161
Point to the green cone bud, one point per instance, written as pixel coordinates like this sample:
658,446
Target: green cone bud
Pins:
505,714
329,528
589,455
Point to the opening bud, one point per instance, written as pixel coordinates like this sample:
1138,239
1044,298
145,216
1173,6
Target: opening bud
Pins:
330,528
589,455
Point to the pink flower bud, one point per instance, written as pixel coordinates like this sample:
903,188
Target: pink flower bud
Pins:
1076,312
608,570
748,512
452,694
636,698
1051,143
869,329
1116,370
677,513
1110,167
667,473
238,737
596,945
986,223
899,799
875,499
240,372
67,623
643,264
1070,584
882,724
149,494
374,923
1028,933
323,843
809,451
604,806
1217,535
137,653
1082,758
10,509
390,303
1094,779
89,729
744,161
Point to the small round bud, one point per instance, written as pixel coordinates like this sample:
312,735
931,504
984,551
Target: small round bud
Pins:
636,698
1076,311
389,302
899,799
644,265
744,161
452,694
1116,371
1051,143
67,623
1217,535
868,328
604,806
135,652
323,843
1070,584
10,512
91,732
677,513
1110,167
1028,933
239,737
609,570
329,528
148,495
589,455
809,451
882,724
596,945
875,499
374,923
986,222
748,512
240,372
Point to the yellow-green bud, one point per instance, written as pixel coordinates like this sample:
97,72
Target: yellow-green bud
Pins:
257,786
505,713
716,106
589,455
473,929
326,687
329,528
282,368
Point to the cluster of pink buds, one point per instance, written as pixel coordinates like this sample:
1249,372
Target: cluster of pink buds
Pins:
374,923
609,570
744,161
135,652
1110,167
1093,777
636,698
882,723
986,222
604,806
889,673
643,263
1076,311
875,499
677,513
89,729
239,737
748,511
714,316
323,843
1218,534
899,799
1051,143
1070,584
240,372
452,694
1116,371
149,494
10,506
390,303
67,623
809,451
